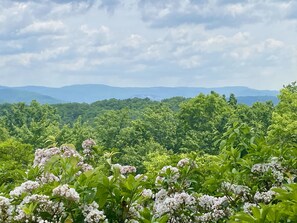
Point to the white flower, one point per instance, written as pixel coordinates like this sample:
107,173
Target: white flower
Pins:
127,169
5,209
248,206
173,204
65,191
265,197
172,174
25,187
48,178
274,167
211,203
44,155
147,193
183,162
43,205
87,146
141,176
244,191
92,214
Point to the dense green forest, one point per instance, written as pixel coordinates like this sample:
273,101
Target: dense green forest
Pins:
203,159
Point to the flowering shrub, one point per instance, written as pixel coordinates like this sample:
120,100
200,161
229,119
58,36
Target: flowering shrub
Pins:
66,186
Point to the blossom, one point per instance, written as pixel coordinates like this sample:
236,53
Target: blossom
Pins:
87,146
127,169
147,193
174,203
248,206
274,167
215,208
48,178
85,167
141,177
241,190
92,214
43,204
42,156
66,192
25,187
210,202
170,173
265,197
183,162
5,209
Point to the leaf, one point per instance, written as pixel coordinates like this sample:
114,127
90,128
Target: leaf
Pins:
68,220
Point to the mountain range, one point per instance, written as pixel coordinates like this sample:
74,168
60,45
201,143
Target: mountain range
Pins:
94,92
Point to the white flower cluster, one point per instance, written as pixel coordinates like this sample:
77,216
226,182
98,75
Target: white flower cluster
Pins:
172,170
264,197
171,174
248,206
141,177
183,162
5,209
25,187
274,167
238,190
147,193
173,204
87,146
43,155
46,178
84,166
92,214
127,169
43,204
124,169
66,192
216,208
69,152
133,212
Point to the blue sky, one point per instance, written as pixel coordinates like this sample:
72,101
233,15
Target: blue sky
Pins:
205,43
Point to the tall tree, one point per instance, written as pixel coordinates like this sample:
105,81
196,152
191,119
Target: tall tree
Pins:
202,121
283,130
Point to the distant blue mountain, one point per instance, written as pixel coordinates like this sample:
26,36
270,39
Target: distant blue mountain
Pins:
93,92
250,100
9,95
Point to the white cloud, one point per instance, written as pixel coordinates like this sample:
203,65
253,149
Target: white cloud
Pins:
190,63
254,51
43,27
134,41
27,59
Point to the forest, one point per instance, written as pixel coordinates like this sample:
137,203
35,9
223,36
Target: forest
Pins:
201,159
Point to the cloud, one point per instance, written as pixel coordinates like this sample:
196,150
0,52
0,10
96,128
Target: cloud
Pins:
43,27
109,5
211,14
28,59
191,62
148,42
267,47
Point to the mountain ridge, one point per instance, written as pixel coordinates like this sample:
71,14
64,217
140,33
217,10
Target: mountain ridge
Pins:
89,93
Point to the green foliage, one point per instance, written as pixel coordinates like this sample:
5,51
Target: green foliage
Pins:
202,119
31,124
15,158
283,130
204,159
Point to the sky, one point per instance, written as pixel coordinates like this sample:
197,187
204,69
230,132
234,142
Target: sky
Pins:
142,43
